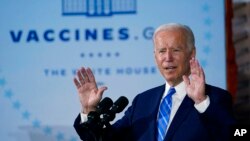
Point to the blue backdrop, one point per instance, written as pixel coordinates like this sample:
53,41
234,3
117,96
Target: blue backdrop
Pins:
43,43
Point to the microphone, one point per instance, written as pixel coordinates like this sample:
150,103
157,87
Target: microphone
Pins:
119,104
102,107
92,128
117,107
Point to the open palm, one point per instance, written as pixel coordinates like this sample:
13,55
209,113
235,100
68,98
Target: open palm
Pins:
87,89
195,86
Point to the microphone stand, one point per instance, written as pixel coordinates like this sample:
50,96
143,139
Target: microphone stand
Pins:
93,128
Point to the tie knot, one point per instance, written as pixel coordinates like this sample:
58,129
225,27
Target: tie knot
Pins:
171,91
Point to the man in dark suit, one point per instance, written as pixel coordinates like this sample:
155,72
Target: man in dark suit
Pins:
195,111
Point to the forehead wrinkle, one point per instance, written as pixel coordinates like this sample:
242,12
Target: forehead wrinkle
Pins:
175,41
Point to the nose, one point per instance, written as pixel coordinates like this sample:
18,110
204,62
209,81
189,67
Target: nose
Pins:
168,56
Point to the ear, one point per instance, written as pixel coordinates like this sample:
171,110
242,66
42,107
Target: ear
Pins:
155,57
193,53
154,53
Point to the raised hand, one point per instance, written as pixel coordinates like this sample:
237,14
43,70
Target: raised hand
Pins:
195,85
87,90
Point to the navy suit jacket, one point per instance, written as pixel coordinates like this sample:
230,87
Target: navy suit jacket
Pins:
139,121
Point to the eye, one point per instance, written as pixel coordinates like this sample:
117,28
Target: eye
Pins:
176,50
162,51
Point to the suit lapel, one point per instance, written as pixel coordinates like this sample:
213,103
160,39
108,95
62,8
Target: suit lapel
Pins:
182,112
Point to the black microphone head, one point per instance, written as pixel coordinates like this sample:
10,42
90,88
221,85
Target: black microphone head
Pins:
120,104
104,105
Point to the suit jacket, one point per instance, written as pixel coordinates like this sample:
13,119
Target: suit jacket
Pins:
139,121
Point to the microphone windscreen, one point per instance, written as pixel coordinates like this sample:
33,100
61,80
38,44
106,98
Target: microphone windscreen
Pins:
104,105
121,103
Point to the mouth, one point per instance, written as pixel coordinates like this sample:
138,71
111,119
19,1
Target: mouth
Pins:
170,68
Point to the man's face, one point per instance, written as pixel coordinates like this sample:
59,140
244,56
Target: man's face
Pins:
172,55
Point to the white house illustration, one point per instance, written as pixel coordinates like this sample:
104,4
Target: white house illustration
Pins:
98,7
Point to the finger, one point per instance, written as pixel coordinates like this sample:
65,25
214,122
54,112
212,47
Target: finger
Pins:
80,77
192,66
198,67
186,80
200,70
202,73
77,84
195,67
84,73
101,90
90,75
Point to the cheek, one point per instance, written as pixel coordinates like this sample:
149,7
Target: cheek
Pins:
158,60
182,63
185,65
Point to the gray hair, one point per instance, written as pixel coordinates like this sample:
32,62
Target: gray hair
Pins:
187,30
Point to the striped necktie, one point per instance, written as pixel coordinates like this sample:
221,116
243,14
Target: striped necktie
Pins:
164,114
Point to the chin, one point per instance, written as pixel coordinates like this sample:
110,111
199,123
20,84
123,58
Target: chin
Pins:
171,79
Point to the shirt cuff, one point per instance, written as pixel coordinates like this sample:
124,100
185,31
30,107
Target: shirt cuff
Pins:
201,107
84,117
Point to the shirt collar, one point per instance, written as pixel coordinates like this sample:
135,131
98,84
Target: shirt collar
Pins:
180,90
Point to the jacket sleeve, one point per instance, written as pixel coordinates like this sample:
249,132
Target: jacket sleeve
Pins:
84,131
218,117
120,130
